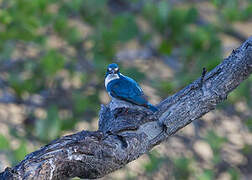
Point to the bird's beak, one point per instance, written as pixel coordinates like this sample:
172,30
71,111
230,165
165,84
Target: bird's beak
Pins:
113,71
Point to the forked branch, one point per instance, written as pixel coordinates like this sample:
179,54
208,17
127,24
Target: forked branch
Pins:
123,137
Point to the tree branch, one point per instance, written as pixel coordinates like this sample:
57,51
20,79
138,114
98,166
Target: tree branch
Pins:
127,131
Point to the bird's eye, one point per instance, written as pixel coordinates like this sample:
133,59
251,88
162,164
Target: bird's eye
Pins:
109,69
116,69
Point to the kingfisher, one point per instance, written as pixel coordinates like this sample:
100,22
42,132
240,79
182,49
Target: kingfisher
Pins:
125,88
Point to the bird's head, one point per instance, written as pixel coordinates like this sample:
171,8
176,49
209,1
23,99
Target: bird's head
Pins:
112,69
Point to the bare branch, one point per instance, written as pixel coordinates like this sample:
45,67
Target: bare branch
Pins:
127,131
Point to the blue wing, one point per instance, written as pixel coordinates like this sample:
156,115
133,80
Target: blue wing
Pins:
127,89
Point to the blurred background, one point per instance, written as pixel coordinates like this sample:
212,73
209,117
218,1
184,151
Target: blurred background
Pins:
53,57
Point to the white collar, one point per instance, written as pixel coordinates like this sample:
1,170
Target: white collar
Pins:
111,77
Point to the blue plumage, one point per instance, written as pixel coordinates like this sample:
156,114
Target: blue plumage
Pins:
125,88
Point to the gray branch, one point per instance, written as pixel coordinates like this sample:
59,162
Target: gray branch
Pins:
127,131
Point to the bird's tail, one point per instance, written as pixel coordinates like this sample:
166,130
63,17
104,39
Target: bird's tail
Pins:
152,108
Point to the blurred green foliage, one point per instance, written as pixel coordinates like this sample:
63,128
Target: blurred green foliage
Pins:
182,168
57,51
216,143
235,175
206,175
4,143
154,162
233,10
49,128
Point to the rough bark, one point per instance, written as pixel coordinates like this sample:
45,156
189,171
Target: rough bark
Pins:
127,131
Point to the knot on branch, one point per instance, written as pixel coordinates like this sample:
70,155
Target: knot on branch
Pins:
119,116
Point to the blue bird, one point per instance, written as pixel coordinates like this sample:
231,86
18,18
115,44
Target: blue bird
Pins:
125,88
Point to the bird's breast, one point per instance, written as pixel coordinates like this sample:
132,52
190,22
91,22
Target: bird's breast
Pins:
110,78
